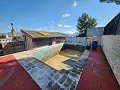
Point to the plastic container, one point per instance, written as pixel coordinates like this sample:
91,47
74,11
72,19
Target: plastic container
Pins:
94,44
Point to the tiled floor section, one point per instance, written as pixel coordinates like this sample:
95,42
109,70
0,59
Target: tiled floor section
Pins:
14,77
97,74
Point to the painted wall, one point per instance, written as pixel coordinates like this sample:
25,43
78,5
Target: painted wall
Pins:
46,52
111,48
76,40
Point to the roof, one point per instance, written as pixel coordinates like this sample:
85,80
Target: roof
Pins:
42,34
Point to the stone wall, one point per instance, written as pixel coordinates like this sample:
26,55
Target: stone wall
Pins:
99,38
111,48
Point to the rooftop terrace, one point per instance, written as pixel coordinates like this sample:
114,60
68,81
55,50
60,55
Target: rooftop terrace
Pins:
21,71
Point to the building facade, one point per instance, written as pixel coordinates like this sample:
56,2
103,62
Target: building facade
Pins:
35,39
97,31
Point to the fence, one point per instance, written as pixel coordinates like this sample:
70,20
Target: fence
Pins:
76,40
11,47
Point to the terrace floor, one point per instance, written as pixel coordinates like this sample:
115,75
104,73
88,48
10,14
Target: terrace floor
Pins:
23,72
14,77
97,74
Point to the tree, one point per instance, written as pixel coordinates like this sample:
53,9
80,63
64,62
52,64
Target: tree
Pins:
85,22
111,1
2,36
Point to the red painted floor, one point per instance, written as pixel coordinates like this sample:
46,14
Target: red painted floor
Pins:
97,74
13,76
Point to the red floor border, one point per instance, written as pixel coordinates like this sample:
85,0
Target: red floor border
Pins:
14,77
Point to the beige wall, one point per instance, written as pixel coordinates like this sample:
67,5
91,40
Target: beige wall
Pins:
28,42
111,48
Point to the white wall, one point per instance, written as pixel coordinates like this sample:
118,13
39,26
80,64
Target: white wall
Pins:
78,40
98,31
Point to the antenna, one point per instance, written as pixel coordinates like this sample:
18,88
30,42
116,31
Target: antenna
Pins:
11,24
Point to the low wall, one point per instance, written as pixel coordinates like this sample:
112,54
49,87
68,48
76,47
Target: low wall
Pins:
111,48
74,47
46,52
12,47
76,40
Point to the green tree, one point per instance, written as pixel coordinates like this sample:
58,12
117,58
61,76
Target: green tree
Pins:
2,36
85,22
111,1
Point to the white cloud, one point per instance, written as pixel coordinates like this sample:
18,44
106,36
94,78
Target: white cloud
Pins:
75,3
67,26
69,32
63,26
66,15
52,21
59,25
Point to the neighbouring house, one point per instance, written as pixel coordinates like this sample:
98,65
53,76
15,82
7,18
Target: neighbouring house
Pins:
97,31
35,39
11,43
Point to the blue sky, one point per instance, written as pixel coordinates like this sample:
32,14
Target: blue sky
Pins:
52,15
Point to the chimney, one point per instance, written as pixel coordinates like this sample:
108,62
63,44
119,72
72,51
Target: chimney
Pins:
13,31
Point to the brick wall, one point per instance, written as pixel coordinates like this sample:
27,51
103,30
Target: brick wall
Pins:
111,48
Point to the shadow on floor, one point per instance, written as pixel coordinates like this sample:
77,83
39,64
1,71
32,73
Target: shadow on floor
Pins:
70,62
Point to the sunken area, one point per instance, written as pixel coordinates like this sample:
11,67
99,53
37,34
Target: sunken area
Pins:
66,58
47,76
